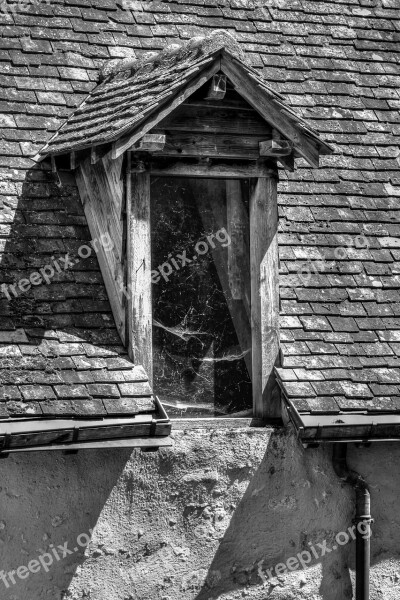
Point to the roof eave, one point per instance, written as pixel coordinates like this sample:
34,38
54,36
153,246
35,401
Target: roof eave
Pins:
323,428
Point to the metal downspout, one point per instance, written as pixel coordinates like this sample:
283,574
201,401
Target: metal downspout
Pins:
363,532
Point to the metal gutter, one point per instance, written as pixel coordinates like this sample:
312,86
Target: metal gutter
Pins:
365,427
142,430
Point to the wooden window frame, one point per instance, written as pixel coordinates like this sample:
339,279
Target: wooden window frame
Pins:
263,218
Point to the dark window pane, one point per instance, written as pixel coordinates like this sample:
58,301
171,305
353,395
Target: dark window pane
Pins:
201,326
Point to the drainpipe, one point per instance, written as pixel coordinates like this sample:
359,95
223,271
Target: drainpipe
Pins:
362,516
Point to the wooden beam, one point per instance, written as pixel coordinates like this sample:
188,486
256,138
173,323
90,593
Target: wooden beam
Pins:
139,270
209,169
49,433
100,223
238,250
127,141
94,157
151,142
180,144
247,88
275,147
207,117
264,295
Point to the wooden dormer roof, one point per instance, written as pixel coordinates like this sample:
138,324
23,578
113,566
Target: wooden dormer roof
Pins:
133,96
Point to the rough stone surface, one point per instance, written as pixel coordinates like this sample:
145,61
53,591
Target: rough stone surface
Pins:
202,521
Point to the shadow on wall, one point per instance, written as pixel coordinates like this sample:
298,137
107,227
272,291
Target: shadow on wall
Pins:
48,500
293,502
201,521
44,232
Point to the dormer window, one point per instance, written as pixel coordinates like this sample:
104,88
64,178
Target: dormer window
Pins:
176,158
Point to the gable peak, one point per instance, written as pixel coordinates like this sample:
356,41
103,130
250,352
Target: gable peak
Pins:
196,47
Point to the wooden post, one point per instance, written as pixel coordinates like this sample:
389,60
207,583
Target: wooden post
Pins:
139,269
264,294
238,227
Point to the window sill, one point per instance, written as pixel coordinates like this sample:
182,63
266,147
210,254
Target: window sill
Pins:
180,424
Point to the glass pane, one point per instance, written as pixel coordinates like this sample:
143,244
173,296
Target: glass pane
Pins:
201,298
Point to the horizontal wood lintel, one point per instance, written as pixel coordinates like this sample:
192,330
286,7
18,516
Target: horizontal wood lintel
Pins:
221,169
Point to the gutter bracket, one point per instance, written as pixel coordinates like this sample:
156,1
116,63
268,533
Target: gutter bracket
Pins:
5,445
75,439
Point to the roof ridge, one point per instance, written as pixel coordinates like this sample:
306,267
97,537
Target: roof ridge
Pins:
199,45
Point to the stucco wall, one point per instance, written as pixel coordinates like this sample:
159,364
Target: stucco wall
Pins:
194,522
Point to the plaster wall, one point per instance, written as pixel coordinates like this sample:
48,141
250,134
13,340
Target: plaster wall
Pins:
201,521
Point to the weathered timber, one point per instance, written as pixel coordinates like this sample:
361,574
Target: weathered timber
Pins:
276,147
98,208
238,250
255,96
264,294
127,141
219,145
206,117
139,270
212,168
152,142
147,426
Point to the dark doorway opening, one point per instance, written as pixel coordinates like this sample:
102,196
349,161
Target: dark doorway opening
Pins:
201,295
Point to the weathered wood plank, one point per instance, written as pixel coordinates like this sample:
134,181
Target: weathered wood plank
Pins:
86,434
219,145
120,146
103,200
264,294
115,176
208,118
111,197
247,87
139,270
109,259
226,170
238,249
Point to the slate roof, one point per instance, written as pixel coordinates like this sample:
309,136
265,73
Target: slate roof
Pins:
130,90
60,354
337,62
